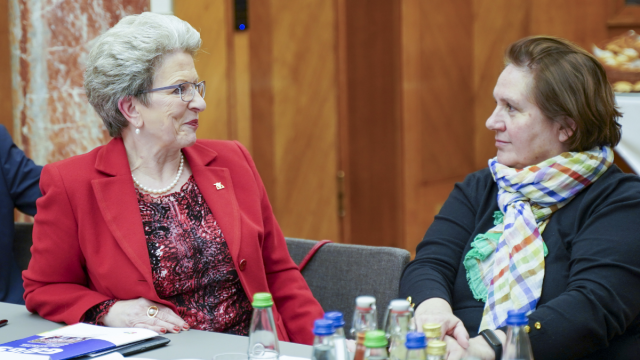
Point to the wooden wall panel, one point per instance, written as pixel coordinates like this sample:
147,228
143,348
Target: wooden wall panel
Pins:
261,92
374,177
6,107
581,21
446,83
437,108
415,221
344,201
305,117
211,19
497,23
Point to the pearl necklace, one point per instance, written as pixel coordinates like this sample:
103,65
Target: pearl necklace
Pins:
164,190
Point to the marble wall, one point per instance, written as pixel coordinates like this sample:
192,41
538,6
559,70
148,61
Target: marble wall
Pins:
50,40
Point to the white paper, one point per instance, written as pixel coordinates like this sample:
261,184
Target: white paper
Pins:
285,357
14,356
112,356
117,336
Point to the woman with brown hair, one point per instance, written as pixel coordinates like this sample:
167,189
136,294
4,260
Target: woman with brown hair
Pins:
549,228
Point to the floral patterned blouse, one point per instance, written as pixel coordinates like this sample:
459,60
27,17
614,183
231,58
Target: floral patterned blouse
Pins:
190,263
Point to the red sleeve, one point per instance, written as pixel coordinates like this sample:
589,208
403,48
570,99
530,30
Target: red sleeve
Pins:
292,296
56,282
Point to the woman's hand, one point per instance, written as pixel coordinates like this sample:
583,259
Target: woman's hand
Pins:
436,310
478,348
454,350
133,313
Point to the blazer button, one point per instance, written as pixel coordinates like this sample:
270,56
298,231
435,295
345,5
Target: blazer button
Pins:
242,265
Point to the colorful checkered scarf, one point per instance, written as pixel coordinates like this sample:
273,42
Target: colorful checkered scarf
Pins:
512,274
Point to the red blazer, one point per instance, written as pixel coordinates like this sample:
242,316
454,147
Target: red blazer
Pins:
89,245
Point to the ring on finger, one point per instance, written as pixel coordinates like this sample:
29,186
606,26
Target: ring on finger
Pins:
152,311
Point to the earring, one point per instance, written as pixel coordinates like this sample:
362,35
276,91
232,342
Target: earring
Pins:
137,131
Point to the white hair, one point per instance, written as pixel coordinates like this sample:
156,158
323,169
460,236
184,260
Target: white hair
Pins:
123,61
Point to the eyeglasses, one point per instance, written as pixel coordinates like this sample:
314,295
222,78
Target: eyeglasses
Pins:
187,90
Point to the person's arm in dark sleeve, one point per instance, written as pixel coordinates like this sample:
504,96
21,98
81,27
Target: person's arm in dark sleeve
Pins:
21,175
433,271
603,291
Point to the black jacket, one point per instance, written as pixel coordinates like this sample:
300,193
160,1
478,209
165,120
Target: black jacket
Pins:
590,302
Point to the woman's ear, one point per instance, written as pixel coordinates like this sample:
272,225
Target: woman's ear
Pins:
567,127
127,107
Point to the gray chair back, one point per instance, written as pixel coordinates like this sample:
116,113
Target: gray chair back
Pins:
338,273
22,242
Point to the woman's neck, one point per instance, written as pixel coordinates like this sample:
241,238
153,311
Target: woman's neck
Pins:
153,166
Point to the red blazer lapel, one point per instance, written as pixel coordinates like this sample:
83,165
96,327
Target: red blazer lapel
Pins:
118,203
217,189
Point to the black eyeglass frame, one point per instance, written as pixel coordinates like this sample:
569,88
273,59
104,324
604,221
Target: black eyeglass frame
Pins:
196,86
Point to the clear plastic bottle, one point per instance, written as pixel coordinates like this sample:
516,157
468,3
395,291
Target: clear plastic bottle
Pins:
518,345
338,338
397,324
323,344
263,337
375,343
432,331
365,318
416,345
436,350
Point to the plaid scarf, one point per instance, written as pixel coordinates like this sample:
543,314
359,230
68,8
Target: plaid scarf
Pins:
507,263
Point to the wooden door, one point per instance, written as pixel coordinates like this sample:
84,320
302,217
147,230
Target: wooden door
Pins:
274,88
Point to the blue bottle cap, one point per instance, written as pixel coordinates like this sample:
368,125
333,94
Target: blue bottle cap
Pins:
336,317
416,340
322,327
517,318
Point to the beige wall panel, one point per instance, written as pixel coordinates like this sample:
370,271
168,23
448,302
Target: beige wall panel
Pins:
305,117
211,19
497,23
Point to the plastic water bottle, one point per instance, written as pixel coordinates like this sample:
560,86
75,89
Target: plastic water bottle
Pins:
338,338
397,324
433,331
436,350
263,337
323,345
416,345
517,346
365,318
375,343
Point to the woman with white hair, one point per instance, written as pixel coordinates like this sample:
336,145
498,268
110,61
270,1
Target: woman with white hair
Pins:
157,229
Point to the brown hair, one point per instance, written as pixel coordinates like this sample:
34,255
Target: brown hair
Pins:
569,82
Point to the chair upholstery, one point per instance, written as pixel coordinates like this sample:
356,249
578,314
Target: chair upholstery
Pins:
22,242
338,273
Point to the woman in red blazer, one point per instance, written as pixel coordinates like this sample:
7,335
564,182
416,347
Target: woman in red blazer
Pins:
156,229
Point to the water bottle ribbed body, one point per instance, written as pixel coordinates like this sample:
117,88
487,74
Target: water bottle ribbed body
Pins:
416,354
324,348
517,346
263,336
341,345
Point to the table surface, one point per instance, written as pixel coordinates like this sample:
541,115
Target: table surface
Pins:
192,344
